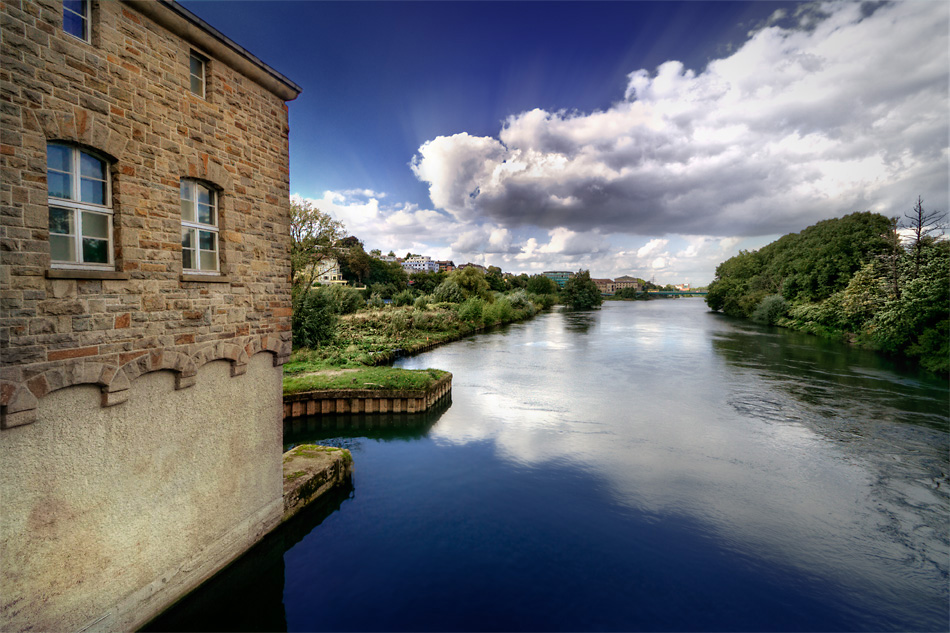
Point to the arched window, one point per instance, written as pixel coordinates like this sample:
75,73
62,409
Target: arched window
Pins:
199,227
80,208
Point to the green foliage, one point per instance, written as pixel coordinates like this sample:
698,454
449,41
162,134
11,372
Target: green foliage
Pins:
425,282
501,311
312,236
541,285
519,299
471,281
314,318
403,298
343,299
770,310
471,310
388,273
496,282
448,292
847,279
581,293
318,376
375,301
421,303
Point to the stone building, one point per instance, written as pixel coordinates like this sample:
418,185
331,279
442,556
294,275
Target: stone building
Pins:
144,307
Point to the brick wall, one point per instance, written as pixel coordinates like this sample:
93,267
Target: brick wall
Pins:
126,95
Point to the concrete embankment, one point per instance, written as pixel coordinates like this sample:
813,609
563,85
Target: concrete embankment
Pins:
329,401
310,471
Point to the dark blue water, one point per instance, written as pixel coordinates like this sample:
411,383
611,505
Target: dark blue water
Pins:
650,466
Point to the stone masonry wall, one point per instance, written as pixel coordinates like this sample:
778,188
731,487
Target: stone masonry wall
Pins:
126,96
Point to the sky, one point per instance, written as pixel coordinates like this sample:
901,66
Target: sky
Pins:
652,139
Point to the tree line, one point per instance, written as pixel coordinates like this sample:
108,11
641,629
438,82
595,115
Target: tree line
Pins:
883,283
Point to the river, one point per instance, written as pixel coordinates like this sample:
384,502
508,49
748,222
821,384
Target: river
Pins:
646,466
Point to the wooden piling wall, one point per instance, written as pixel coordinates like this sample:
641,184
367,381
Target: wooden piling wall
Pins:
365,400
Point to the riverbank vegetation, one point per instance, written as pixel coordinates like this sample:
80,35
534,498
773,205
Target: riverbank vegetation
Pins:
874,281
303,376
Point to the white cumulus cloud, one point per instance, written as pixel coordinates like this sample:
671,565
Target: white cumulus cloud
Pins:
834,109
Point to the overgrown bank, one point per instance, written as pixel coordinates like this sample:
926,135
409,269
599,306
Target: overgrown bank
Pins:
855,279
341,337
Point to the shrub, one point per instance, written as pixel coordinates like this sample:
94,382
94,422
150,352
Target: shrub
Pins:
519,299
498,312
345,300
403,298
448,292
471,310
421,303
314,319
770,309
375,301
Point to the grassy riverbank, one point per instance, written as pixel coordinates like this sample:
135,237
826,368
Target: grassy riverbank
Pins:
367,339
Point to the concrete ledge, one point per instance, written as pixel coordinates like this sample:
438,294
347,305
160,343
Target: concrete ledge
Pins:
310,471
365,400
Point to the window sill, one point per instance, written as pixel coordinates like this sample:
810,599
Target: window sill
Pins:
208,279
66,273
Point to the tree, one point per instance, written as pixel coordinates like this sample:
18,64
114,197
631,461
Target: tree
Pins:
376,253
471,281
313,234
581,293
495,280
922,225
354,263
541,285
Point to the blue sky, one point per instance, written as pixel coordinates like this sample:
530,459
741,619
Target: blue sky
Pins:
652,139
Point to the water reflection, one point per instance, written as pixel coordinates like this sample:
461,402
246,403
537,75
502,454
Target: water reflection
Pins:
579,321
383,426
682,413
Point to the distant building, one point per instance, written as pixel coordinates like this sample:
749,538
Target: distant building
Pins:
392,259
328,272
682,287
559,277
446,266
420,264
626,282
606,286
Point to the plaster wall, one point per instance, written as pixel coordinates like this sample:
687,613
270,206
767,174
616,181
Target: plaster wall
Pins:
112,513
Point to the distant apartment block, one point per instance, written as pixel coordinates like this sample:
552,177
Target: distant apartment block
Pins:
420,264
446,266
559,277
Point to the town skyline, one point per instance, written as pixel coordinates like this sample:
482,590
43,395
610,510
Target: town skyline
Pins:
652,139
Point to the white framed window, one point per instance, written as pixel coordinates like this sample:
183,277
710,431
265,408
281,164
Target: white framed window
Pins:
80,208
76,18
199,228
198,69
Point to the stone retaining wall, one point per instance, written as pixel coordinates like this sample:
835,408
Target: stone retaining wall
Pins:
365,400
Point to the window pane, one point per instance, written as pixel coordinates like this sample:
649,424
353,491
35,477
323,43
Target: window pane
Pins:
61,248
187,238
74,24
60,185
205,214
95,251
187,190
206,241
204,195
188,259
209,261
95,225
188,210
58,157
91,167
92,191
196,86
196,66
61,221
